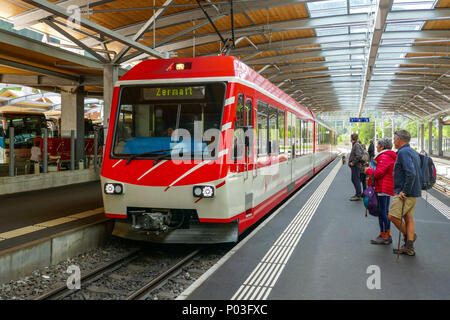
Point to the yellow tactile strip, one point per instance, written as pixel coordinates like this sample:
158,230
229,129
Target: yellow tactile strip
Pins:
48,224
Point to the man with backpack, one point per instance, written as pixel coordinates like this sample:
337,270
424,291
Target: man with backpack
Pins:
355,163
407,188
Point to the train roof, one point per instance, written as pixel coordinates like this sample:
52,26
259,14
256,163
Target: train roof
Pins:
201,67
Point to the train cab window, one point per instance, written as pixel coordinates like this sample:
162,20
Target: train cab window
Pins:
248,112
273,130
262,127
239,112
281,127
298,143
243,119
238,134
2,130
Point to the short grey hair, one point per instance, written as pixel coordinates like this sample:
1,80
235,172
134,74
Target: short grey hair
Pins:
403,135
386,143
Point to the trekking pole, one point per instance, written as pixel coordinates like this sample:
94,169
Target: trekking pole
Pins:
400,232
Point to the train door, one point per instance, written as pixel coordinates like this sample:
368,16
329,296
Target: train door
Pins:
242,137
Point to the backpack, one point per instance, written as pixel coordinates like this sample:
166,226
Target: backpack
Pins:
365,157
428,172
371,200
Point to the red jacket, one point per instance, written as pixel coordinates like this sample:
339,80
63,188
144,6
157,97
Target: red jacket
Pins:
384,172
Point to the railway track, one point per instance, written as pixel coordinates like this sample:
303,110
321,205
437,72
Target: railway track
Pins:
143,292
63,291
139,292
442,184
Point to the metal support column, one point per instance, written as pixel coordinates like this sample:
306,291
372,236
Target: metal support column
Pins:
430,137
110,76
11,151
45,153
440,129
72,118
419,147
422,137
95,149
72,150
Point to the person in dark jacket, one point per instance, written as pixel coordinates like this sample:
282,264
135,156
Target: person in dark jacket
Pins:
407,188
371,150
355,163
383,175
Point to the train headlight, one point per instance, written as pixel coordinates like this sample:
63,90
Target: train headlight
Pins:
113,188
204,191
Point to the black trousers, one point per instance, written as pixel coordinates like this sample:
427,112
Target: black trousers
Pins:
356,180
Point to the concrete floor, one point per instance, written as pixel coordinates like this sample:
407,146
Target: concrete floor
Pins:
28,208
334,258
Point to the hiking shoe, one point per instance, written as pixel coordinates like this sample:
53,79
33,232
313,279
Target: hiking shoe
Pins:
381,240
407,249
355,198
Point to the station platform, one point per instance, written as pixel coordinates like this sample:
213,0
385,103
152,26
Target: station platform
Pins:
317,246
29,216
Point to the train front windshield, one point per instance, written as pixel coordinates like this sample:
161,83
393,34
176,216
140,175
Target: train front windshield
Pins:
26,128
149,115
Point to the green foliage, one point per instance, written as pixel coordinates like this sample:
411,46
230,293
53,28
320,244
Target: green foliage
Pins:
411,126
446,131
344,139
365,131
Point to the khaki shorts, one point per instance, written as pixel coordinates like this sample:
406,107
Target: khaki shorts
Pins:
396,206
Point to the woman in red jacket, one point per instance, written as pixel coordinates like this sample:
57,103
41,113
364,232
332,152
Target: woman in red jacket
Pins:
384,186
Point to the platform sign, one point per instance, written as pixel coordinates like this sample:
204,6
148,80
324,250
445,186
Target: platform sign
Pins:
359,119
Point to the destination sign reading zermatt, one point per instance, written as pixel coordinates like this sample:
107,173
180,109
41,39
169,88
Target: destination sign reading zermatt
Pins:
174,93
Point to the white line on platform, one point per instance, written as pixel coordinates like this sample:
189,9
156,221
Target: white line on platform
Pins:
206,275
284,246
439,205
47,224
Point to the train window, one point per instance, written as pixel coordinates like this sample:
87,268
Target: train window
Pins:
298,143
238,135
273,130
262,127
281,127
291,132
239,112
318,134
305,139
248,112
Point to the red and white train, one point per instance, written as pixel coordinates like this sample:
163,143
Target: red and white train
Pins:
265,146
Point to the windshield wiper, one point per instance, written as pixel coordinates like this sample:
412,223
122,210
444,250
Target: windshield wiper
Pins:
158,157
134,156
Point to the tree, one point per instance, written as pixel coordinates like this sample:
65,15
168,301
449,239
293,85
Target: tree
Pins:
365,130
411,126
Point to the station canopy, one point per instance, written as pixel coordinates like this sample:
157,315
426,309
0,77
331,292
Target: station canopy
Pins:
331,55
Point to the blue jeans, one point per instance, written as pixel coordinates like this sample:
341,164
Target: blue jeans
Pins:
356,180
383,202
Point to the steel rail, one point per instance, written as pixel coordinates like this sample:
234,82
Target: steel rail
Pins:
146,290
64,291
